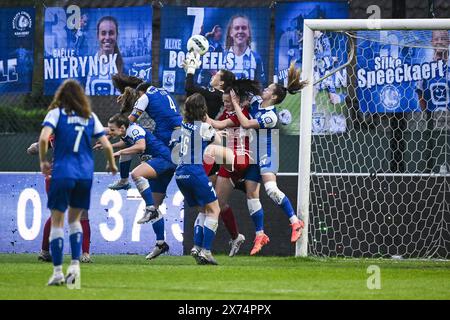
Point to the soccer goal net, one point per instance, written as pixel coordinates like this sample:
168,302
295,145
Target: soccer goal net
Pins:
374,168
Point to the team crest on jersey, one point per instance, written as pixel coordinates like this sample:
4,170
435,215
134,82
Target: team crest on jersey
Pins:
440,94
390,97
22,23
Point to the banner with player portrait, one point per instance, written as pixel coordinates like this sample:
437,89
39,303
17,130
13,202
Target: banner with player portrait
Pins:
92,44
16,49
238,41
403,71
330,52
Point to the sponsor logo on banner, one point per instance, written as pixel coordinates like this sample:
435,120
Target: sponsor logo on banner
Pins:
169,80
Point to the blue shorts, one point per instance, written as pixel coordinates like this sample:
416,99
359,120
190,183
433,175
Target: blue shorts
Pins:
160,184
65,192
161,165
253,173
196,189
269,164
165,170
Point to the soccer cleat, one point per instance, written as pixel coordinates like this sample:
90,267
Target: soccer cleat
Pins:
236,244
150,214
85,258
157,250
56,279
195,254
119,185
206,257
73,272
260,241
45,256
297,229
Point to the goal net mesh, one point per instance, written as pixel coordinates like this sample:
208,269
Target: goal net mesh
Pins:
380,165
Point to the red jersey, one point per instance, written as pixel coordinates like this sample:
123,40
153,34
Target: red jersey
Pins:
239,143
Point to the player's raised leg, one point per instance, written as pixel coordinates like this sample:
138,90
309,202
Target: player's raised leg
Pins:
270,184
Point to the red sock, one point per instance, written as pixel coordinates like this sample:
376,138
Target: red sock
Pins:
230,222
46,236
86,235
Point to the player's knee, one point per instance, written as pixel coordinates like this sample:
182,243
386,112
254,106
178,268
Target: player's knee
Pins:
84,215
75,227
141,183
254,205
273,192
200,220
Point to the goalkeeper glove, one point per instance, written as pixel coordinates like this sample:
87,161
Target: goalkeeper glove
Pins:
192,62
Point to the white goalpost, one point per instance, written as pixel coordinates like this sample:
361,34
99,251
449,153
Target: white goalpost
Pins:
379,188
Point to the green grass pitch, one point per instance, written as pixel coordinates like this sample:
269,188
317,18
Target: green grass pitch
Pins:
238,278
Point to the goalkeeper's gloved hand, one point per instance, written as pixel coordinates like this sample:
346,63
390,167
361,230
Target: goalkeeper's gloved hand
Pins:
192,62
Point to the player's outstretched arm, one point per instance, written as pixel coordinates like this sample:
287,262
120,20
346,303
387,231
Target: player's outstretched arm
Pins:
138,147
107,147
220,124
43,148
33,149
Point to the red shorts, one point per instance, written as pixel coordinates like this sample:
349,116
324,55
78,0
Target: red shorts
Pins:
241,163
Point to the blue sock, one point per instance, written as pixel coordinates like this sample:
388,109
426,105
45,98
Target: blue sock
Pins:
76,239
144,189
158,228
125,169
258,220
287,207
198,236
198,230
147,196
209,232
57,245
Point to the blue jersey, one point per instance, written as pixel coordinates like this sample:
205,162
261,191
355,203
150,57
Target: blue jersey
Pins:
436,90
161,107
72,154
153,146
195,137
267,119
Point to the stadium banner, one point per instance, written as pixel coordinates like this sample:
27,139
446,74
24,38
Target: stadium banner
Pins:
92,44
16,49
330,51
393,76
112,215
238,41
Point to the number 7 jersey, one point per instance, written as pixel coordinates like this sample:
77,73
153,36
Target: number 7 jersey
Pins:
72,155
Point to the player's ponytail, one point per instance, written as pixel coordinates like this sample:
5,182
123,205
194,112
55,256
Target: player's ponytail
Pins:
294,84
70,96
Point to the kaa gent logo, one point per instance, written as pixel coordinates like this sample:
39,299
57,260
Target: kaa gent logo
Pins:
22,24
